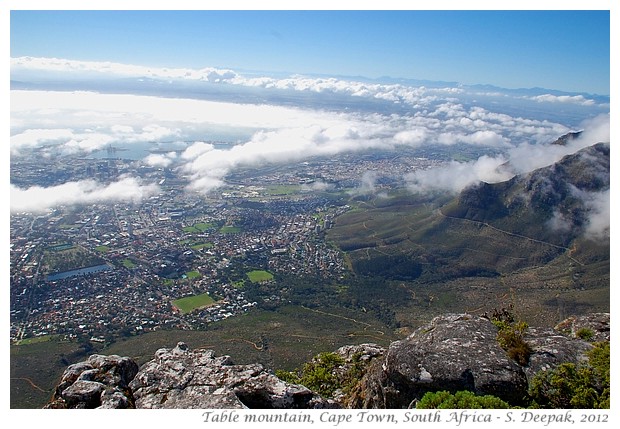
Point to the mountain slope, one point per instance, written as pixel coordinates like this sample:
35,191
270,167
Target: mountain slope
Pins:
539,241
553,203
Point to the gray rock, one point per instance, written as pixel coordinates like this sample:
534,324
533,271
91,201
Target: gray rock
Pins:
101,381
361,352
184,378
460,352
596,323
83,394
550,349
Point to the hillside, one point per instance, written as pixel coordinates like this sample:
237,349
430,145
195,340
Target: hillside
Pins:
533,241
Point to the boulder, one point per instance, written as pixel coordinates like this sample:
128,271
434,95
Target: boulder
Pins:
460,352
100,382
184,378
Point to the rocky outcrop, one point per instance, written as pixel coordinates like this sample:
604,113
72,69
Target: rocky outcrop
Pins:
183,378
593,326
460,352
178,378
99,382
453,352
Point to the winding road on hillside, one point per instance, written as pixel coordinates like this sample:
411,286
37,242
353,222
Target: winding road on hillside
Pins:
513,234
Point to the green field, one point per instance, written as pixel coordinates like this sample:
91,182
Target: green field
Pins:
282,189
190,303
199,246
34,340
198,227
102,249
128,263
258,276
192,274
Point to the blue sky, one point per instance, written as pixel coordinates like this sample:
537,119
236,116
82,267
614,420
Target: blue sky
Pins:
563,50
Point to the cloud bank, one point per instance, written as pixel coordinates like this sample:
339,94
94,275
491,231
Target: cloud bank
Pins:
275,130
523,158
39,199
414,96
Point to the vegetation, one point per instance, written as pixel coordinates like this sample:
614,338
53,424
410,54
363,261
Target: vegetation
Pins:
326,373
198,246
198,227
190,303
583,385
128,263
57,261
258,276
462,399
102,249
585,334
230,229
192,274
510,336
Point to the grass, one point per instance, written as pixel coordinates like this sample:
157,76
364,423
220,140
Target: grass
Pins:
192,274
36,367
198,227
102,249
258,276
282,189
199,246
191,303
128,263
35,340
239,284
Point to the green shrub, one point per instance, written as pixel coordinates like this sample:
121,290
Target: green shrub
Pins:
327,372
462,399
317,375
585,334
583,385
510,338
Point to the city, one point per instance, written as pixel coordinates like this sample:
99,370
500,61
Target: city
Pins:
103,270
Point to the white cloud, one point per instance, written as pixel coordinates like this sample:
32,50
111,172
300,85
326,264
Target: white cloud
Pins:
196,149
38,199
87,121
576,99
317,186
527,157
414,137
455,176
111,68
367,184
558,222
160,160
598,225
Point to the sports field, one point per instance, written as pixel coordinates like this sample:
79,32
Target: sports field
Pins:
190,303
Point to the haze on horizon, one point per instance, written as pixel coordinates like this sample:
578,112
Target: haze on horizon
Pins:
84,80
